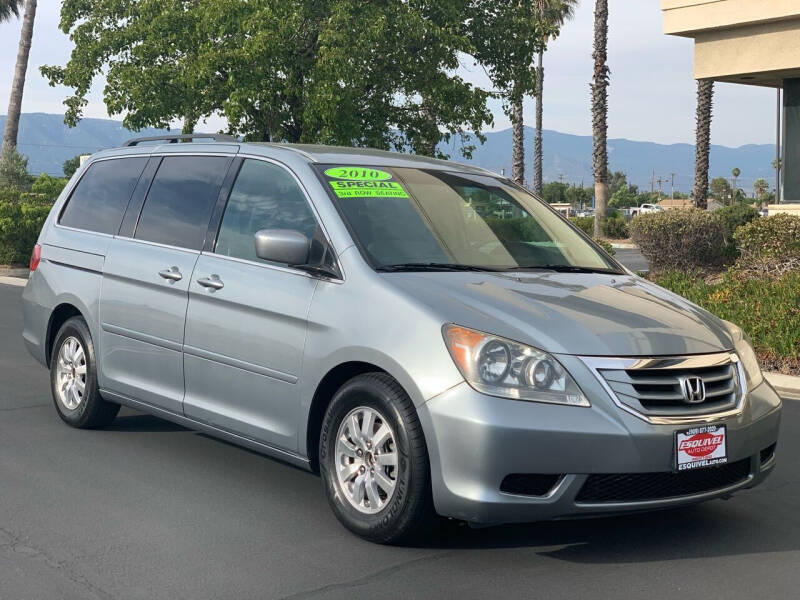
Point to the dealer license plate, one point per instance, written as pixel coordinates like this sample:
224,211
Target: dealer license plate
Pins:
700,447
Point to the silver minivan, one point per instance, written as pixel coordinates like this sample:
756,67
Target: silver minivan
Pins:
427,336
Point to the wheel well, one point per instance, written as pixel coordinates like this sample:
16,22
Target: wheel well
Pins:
330,384
59,316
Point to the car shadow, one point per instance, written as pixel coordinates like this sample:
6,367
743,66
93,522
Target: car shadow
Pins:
752,522
141,423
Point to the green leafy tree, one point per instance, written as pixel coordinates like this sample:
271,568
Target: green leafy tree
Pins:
14,169
616,180
720,189
555,192
625,196
71,165
325,71
579,196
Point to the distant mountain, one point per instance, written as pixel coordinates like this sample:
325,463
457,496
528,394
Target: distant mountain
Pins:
48,143
570,156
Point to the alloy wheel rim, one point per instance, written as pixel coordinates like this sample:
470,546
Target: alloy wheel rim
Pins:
71,374
366,460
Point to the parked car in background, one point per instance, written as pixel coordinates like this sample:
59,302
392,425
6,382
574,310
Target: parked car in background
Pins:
650,208
428,336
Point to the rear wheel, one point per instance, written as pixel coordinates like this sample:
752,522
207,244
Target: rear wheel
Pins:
374,461
73,378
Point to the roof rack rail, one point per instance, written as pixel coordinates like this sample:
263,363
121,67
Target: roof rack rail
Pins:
175,138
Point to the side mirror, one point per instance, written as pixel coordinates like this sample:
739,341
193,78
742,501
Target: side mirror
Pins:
282,246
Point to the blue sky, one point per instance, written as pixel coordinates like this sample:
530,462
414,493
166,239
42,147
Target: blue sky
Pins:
652,95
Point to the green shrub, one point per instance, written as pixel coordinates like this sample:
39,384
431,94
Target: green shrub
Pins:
735,216
585,224
680,239
766,309
769,245
20,224
48,188
607,247
615,228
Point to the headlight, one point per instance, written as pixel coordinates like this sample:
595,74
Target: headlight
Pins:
744,349
500,367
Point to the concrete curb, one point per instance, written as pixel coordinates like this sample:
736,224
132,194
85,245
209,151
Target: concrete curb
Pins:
15,272
624,246
18,281
787,386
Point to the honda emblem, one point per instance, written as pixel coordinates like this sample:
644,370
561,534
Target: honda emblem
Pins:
694,389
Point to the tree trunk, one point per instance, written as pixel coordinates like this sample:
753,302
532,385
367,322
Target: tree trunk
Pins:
518,142
600,113
705,96
188,124
17,88
537,141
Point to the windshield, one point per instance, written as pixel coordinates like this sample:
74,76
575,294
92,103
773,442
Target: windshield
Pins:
416,219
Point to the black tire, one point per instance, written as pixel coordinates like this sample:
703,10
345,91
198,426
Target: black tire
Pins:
91,410
409,511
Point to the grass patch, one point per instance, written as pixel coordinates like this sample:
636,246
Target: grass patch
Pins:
767,310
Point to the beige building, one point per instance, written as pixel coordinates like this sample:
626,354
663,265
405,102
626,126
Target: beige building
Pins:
750,42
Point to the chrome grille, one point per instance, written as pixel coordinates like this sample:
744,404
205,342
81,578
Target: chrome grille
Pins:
654,387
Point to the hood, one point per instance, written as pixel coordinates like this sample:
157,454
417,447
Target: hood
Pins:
590,314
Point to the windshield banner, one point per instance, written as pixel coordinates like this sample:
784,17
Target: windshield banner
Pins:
363,182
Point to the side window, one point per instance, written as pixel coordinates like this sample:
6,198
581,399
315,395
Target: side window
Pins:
102,195
183,193
265,196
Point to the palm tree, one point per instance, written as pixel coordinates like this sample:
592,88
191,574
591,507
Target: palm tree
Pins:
705,98
553,13
600,113
760,189
8,8
15,102
517,142
735,173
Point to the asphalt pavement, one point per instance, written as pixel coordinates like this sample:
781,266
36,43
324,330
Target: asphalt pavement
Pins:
149,510
632,258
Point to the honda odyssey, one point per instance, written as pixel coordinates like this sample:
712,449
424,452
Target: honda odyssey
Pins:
427,336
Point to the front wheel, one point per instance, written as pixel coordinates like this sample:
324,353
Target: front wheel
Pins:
73,378
374,461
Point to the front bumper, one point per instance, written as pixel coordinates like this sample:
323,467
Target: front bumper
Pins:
475,441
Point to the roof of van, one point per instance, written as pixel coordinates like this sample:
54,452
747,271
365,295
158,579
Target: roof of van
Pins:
368,156
311,152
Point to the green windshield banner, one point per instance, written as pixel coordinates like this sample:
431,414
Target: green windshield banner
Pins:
358,174
363,182
368,189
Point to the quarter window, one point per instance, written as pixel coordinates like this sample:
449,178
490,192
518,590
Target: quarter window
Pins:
102,195
183,193
265,196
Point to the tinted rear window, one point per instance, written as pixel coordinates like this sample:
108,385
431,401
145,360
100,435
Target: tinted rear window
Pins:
181,198
102,195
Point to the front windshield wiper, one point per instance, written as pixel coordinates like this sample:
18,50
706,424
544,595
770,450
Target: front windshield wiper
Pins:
566,269
434,266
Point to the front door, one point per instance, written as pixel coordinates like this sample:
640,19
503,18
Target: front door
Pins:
146,280
246,321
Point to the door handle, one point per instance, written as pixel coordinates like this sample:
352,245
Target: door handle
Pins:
171,274
213,282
